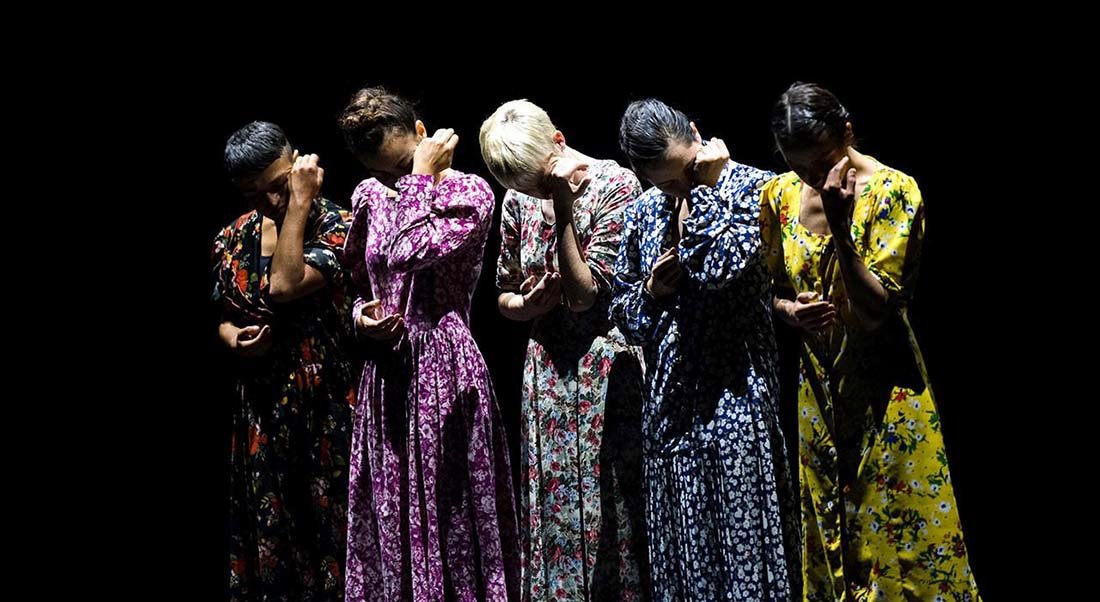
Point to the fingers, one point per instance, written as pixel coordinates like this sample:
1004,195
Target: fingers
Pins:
553,285
807,297
443,135
664,286
372,310
306,161
438,149
364,323
387,322
668,263
386,328
667,272
547,292
391,324
583,186
396,329
811,314
815,316
371,327
543,282
371,315
819,324
810,320
714,150
813,309
833,180
670,255
551,295
566,167
528,284
248,337
670,279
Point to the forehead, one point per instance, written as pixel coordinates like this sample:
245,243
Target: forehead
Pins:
393,151
677,155
274,171
811,153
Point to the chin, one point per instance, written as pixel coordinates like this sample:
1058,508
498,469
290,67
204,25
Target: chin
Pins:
272,213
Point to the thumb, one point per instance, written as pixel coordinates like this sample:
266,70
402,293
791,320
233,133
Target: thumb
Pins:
808,297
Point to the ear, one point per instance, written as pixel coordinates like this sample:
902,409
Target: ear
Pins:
849,137
695,131
559,139
421,131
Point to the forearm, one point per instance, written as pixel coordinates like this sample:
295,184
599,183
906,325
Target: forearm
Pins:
577,282
288,268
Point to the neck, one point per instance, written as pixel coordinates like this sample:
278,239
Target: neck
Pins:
573,153
860,162
269,220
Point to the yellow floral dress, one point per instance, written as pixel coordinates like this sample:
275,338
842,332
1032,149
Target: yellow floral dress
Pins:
878,508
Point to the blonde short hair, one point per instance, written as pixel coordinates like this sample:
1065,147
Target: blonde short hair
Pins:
516,141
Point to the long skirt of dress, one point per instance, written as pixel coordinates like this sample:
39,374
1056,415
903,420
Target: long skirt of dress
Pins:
288,484
430,497
723,516
582,492
878,505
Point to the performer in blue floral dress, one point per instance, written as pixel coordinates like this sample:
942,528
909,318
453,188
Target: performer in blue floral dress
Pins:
692,289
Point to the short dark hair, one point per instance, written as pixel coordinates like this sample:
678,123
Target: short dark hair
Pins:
251,149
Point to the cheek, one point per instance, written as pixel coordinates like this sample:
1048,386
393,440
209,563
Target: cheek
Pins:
277,199
805,174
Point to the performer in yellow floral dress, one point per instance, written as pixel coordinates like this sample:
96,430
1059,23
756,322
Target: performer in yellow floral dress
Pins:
878,508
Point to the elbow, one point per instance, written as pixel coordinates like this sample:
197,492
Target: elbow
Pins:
403,258
580,305
400,262
872,320
282,291
278,289
280,294
578,301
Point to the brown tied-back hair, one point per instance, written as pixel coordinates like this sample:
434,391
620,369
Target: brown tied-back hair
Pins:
371,115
